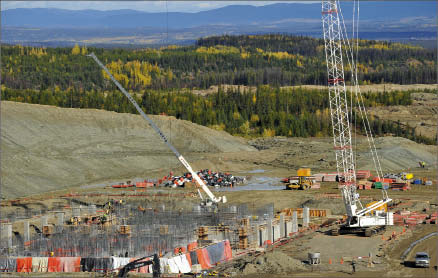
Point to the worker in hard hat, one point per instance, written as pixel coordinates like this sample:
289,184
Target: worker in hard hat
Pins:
104,218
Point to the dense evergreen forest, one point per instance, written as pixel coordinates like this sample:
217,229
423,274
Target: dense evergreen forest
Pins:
162,80
275,60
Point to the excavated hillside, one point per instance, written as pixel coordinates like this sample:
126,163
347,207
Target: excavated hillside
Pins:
422,114
45,148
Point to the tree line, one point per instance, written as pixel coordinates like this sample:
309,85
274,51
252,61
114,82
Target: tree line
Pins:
266,111
276,60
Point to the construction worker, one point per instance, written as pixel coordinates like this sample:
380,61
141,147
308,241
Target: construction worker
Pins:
353,265
104,218
422,164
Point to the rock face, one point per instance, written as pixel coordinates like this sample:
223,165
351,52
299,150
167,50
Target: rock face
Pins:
46,148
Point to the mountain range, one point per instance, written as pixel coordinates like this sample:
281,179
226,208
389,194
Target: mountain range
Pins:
49,25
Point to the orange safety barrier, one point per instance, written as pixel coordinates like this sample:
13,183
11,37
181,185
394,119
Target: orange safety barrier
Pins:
192,246
228,252
203,258
24,264
54,264
69,264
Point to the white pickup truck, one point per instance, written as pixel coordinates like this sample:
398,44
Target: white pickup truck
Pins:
422,259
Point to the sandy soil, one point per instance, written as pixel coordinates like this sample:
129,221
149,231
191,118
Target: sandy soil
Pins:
46,148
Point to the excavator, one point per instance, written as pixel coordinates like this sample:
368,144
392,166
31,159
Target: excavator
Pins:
145,261
210,200
374,217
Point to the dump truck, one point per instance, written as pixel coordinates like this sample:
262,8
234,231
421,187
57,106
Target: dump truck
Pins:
302,181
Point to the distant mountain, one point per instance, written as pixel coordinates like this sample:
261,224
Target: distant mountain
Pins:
408,20
229,15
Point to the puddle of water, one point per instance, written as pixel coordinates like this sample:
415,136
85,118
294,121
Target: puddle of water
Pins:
256,171
256,183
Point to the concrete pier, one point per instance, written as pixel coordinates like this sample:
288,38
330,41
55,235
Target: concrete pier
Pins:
306,217
294,222
26,231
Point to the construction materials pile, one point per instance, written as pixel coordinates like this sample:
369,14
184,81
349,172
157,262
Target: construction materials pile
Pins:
400,181
406,217
210,178
140,184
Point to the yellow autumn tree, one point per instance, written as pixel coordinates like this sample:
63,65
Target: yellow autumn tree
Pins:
84,50
76,50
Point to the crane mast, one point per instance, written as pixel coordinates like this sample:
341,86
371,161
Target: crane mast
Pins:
339,110
162,136
359,217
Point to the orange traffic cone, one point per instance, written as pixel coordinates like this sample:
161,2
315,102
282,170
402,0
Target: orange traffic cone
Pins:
330,261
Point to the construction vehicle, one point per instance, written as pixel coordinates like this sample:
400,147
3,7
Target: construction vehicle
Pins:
302,181
373,218
150,260
211,199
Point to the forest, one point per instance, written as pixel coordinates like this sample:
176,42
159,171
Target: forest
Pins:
276,60
165,80
269,111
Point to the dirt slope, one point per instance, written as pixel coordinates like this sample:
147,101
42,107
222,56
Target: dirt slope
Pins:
395,153
422,114
46,148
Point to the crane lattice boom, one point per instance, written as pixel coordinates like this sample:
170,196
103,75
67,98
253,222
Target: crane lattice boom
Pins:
339,105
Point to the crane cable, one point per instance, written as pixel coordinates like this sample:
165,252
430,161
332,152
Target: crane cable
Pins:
352,61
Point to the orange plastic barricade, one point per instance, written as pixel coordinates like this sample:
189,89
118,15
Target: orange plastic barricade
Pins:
24,264
189,259
54,264
69,264
192,246
227,251
203,258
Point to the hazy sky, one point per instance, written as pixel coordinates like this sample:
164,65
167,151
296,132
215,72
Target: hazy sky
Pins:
149,6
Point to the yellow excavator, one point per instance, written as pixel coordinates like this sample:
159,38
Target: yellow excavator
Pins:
302,181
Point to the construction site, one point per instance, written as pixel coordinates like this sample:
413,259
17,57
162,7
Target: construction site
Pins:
92,193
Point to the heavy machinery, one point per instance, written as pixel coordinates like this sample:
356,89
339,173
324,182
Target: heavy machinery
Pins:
211,199
145,261
372,218
302,181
